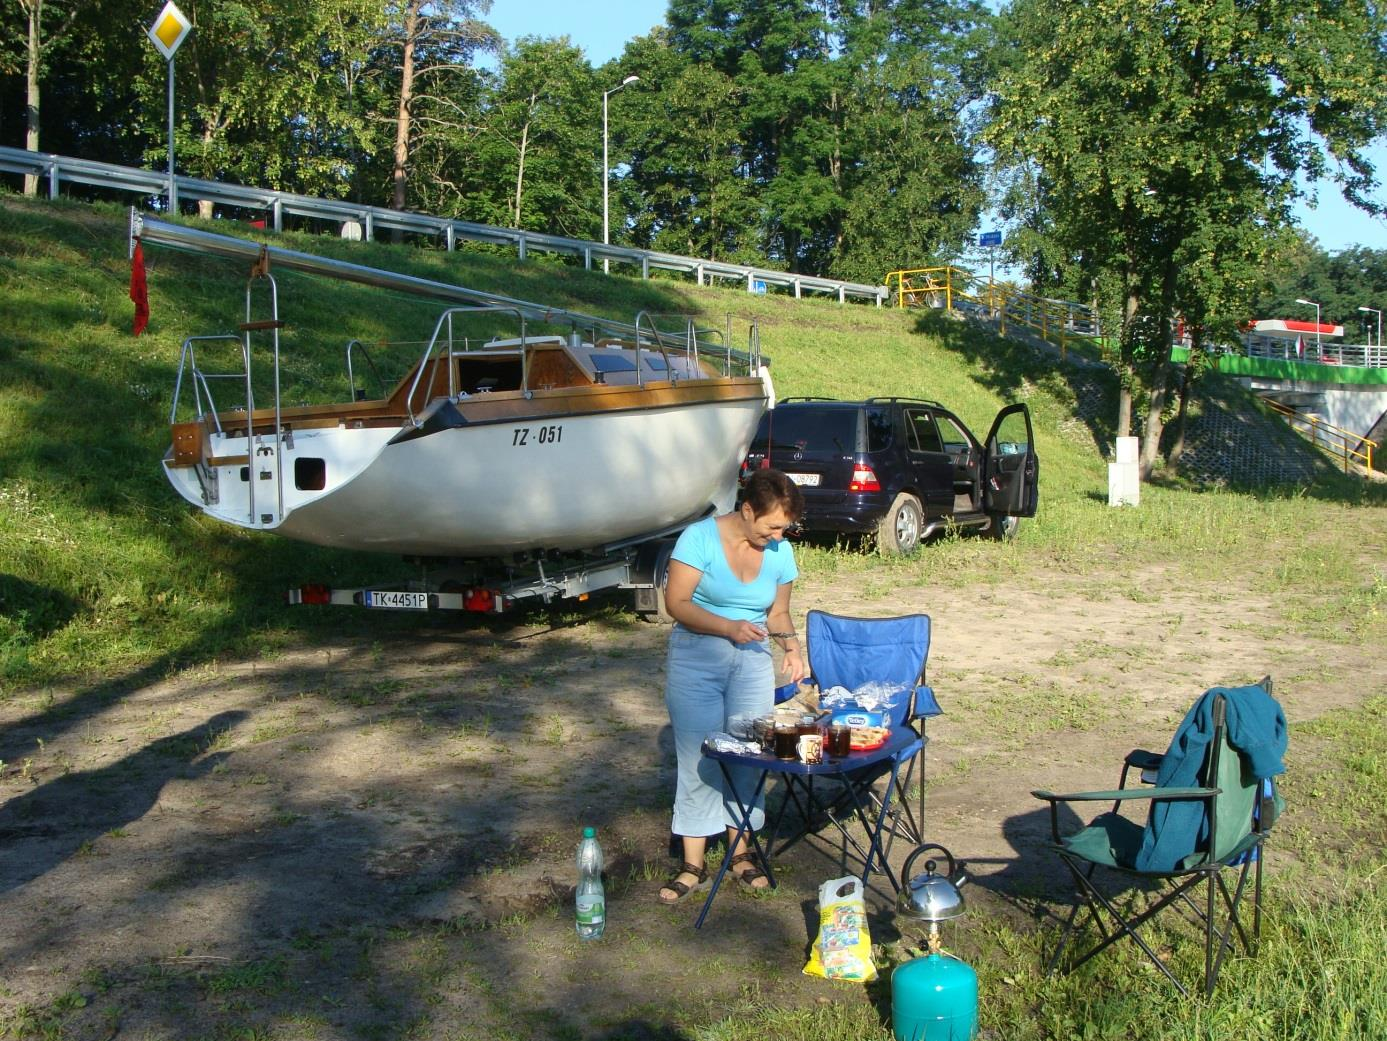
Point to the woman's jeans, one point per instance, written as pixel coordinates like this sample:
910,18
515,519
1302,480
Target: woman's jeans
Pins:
710,679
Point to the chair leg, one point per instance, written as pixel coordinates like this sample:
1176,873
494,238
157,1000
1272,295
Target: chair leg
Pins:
1260,850
1125,927
1209,933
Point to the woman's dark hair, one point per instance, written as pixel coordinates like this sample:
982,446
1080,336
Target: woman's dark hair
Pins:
765,490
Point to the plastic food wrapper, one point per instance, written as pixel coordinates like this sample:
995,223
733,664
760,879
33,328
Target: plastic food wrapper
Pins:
868,705
721,742
843,950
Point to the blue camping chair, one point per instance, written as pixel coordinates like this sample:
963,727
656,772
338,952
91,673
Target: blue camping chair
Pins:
1212,803
850,652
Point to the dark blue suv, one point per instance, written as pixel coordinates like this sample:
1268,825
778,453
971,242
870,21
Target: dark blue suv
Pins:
900,468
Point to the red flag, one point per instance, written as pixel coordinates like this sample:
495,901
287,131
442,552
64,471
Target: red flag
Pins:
139,292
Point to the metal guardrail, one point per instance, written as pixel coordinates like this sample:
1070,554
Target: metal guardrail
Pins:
370,220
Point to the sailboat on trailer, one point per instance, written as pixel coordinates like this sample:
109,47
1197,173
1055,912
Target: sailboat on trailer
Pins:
605,434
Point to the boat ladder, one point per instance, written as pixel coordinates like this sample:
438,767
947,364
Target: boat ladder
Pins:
220,442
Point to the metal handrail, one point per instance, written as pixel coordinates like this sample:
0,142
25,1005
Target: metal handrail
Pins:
365,353
447,318
1338,440
659,342
187,359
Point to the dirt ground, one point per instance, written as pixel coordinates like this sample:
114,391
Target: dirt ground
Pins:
374,838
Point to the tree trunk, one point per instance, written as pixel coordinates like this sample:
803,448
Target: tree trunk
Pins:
1151,437
31,89
1193,365
1124,402
204,206
404,109
1177,445
520,169
1124,366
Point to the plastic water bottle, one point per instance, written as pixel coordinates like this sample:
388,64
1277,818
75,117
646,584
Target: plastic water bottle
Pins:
591,900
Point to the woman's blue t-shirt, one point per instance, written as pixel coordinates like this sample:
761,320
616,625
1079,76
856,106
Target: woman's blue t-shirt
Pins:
719,590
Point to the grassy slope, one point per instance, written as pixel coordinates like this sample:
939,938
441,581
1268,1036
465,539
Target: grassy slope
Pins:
104,570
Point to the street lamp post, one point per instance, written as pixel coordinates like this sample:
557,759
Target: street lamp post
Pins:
1310,303
1374,310
606,239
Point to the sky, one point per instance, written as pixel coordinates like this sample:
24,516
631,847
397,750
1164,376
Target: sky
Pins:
601,29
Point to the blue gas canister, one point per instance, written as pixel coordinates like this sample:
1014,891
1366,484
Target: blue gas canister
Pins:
934,998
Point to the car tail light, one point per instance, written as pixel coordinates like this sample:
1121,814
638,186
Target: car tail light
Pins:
864,479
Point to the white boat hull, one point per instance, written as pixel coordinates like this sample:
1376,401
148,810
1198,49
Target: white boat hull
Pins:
562,482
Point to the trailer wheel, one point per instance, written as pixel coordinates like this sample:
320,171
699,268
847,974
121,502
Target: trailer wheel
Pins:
650,601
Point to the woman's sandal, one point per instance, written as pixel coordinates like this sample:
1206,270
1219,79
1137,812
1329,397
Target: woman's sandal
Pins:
750,875
683,889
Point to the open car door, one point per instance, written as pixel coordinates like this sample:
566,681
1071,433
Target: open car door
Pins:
1011,471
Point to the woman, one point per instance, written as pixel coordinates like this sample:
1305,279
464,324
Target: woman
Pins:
729,593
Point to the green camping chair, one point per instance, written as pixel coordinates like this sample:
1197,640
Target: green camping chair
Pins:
1211,802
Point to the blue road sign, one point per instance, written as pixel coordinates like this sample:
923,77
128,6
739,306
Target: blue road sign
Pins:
990,238
758,286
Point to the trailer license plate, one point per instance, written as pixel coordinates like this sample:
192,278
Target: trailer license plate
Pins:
396,601
808,480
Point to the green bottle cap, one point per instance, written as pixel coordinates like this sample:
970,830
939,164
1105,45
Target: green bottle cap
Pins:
589,833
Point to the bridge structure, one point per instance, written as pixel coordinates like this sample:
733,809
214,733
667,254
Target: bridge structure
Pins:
1333,393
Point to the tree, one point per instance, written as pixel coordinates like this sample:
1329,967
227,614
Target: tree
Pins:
687,185
910,180
37,46
520,151
1148,125
435,41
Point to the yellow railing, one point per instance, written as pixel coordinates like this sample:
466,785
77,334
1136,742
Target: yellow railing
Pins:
1060,321
1335,440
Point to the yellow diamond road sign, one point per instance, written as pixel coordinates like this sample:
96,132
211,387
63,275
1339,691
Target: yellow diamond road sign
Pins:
169,30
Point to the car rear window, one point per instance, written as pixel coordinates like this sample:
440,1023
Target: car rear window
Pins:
809,429
878,429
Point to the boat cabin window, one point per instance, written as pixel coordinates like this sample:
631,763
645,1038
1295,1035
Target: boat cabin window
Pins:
478,374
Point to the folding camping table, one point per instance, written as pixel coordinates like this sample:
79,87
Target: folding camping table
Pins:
798,780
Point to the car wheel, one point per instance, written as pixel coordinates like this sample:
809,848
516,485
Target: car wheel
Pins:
899,531
1003,529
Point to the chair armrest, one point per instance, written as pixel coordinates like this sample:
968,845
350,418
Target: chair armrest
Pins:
925,703
1120,795
1123,794
1141,759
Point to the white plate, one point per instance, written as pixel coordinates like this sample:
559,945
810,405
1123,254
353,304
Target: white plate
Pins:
808,480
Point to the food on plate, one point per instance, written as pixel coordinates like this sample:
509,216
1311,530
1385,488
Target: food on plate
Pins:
863,738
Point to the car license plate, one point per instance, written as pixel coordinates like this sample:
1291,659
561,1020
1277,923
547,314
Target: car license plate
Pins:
808,480
396,600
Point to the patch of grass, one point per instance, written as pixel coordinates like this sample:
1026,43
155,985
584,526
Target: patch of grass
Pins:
263,976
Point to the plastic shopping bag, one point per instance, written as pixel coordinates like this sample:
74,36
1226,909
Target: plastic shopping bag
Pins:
843,950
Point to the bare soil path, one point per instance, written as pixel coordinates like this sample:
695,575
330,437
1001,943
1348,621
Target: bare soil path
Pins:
375,839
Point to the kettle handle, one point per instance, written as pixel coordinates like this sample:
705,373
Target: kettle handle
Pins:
905,868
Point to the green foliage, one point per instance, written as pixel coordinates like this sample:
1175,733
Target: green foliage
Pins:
1161,146
1340,283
